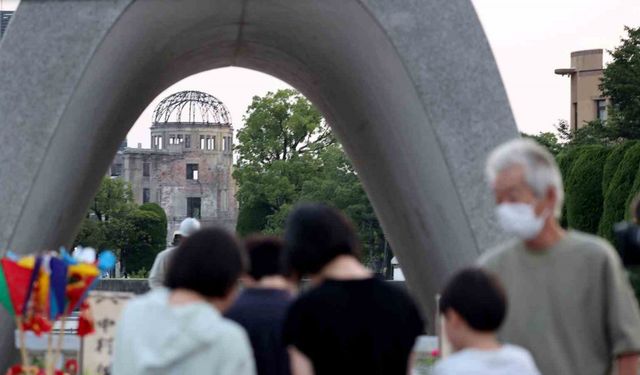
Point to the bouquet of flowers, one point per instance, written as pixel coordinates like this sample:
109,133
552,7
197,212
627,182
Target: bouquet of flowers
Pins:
38,290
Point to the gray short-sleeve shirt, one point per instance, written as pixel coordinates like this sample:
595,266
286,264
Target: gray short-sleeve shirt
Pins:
571,305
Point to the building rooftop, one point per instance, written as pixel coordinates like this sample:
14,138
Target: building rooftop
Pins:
191,108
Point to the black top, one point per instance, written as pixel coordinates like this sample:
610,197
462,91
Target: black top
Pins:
261,312
354,327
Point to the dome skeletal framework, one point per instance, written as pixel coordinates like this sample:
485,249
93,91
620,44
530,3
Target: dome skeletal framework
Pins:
192,107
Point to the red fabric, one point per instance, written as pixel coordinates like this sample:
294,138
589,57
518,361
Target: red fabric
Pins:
85,321
22,370
71,366
77,286
38,324
18,279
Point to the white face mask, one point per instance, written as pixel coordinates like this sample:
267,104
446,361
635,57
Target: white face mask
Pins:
520,220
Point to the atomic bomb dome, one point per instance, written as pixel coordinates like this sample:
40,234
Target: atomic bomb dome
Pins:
191,107
187,170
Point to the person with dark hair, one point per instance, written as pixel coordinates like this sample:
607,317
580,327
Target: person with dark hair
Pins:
474,306
179,329
262,305
349,322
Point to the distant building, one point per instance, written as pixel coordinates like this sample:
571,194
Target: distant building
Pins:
587,102
5,17
188,169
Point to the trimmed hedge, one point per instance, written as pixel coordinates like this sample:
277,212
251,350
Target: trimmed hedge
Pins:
565,162
635,189
613,162
583,188
619,190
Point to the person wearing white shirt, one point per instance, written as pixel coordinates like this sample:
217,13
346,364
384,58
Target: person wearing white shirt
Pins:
474,306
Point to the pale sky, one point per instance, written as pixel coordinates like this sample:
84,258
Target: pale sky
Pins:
529,38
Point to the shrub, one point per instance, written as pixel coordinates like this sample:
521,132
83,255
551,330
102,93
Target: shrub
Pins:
565,162
584,188
613,162
619,190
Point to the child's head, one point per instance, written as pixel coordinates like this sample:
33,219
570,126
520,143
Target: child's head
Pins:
265,256
315,235
473,302
209,262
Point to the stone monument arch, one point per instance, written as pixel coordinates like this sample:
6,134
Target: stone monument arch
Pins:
410,87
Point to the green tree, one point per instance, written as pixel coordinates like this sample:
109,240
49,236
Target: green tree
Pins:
288,155
158,232
621,83
548,140
277,149
114,222
281,126
146,237
113,199
111,205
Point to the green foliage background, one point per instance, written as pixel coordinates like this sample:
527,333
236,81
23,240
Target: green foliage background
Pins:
115,222
565,161
583,188
619,190
288,155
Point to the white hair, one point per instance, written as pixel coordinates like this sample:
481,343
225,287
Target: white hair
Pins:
540,168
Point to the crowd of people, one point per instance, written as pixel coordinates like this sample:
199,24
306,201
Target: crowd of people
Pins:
551,301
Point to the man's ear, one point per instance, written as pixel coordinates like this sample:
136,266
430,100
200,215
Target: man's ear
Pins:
453,318
552,195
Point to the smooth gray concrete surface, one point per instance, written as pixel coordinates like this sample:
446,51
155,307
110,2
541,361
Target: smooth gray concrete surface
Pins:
409,86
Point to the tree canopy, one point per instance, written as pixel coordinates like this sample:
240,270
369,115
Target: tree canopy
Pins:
287,155
281,126
113,221
621,83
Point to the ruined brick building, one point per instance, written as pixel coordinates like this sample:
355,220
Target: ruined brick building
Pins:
188,168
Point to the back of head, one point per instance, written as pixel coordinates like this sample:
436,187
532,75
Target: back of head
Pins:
540,168
209,262
265,255
478,297
316,234
188,227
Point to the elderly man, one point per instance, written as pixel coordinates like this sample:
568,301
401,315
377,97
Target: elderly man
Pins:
570,302
158,271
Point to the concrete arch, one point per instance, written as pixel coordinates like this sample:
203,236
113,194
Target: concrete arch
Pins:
409,86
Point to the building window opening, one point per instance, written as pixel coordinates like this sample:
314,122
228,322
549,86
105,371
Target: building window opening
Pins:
179,139
172,140
157,142
116,169
601,109
224,201
193,207
145,169
227,144
202,144
187,141
146,195
211,143
192,172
